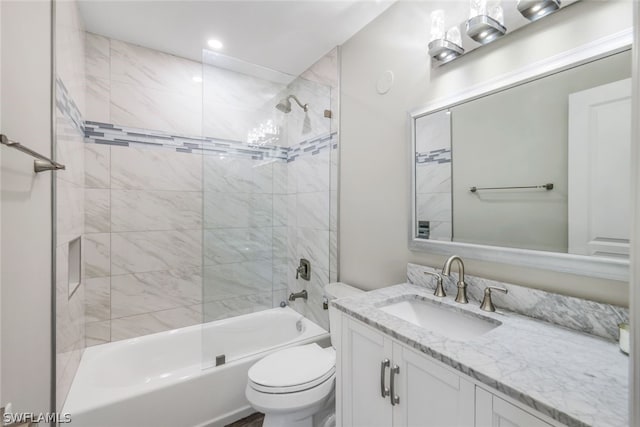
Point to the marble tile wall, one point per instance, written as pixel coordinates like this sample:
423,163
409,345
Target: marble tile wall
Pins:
69,143
173,205
143,225
310,198
158,193
239,220
433,174
139,87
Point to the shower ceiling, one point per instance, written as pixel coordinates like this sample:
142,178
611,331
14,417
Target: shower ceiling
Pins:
286,36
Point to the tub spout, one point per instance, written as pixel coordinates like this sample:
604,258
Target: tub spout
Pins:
296,295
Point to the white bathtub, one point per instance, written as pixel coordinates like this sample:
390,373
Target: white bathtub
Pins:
169,379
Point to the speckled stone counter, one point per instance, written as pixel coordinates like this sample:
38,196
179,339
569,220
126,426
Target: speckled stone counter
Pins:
575,378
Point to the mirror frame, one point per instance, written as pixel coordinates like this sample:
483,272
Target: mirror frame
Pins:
562,262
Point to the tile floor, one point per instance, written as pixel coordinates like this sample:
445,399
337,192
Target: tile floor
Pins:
253,420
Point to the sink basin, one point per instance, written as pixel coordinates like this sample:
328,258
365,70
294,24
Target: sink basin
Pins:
440,319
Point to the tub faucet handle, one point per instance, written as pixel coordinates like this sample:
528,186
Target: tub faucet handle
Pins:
304,269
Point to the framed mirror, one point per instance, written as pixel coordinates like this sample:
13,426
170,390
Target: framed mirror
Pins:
533,168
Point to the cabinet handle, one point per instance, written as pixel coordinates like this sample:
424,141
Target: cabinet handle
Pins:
395,399
384,391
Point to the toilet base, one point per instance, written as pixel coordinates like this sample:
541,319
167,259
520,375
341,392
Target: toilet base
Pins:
320,415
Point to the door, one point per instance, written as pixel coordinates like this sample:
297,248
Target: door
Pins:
365,375
491,411
430,395
599,170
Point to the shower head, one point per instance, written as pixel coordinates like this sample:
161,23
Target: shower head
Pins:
285,105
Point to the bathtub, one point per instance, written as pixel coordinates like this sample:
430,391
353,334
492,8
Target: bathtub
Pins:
170,379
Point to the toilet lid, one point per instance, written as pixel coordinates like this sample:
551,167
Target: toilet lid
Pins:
304,365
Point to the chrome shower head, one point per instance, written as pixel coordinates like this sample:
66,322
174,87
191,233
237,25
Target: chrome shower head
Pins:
285,105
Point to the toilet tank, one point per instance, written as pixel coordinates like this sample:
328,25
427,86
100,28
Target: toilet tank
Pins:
334,291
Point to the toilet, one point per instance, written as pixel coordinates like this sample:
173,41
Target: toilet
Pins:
295,387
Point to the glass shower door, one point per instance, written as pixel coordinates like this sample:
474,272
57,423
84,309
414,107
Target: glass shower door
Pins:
266,192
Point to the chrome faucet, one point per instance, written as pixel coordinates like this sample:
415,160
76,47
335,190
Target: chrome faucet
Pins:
461,297
302,294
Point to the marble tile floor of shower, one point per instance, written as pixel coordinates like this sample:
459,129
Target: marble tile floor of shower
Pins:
253,420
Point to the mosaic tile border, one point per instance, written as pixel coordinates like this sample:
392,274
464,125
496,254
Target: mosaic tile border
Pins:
441,155
67,106
110,134
312,147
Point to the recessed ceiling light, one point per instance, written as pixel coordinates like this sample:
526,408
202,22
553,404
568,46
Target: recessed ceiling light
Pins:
197,79
215,44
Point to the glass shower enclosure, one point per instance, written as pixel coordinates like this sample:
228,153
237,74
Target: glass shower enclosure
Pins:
267,198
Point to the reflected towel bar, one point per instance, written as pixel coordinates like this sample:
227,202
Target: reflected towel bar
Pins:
42,164
545,186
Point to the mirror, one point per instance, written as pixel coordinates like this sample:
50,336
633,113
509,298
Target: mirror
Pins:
530,171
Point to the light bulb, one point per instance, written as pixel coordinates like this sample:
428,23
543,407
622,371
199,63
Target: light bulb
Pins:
437,25
454,36
478,7
498,14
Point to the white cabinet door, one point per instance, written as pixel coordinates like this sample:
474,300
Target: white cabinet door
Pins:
491,411
430,394
363,351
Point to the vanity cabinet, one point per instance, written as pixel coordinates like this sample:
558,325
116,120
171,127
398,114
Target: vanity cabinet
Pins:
384,383
491,411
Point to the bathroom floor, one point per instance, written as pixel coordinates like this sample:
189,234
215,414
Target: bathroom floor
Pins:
253,420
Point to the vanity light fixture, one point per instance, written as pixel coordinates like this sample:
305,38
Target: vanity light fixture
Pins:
536,9
444,47
485,27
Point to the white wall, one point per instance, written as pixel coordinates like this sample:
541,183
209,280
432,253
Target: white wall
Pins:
374,187
26,206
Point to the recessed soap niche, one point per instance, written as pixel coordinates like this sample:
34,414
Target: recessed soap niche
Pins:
74,267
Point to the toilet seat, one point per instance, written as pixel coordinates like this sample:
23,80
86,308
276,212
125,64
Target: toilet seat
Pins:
293,370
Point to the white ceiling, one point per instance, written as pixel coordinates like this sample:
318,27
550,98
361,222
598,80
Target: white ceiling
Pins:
287,36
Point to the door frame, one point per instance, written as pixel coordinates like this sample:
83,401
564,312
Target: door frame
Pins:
634,282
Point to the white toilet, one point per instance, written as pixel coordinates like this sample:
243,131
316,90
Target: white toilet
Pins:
294,387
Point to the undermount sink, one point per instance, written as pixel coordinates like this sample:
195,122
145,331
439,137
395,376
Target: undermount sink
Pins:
442,320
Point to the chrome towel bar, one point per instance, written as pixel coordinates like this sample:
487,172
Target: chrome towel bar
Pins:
545,186
41,164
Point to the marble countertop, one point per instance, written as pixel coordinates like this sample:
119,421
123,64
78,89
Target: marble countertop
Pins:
574,378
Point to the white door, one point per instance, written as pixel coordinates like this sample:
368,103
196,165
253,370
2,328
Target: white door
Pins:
599,170
491,411
364,352
430,395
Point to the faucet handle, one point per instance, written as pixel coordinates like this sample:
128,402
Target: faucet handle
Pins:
487,304
439,292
